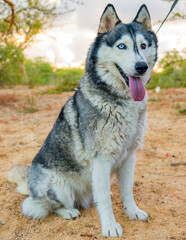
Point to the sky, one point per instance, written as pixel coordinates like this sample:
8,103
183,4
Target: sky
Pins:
66,44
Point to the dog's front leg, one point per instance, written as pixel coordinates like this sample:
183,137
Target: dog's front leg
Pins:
125,176
101,193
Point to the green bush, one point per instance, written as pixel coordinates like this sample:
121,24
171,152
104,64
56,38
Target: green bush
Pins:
174,71
11,65
67,80
39,72
14,69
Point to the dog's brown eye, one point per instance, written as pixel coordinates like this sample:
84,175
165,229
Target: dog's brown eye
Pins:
143,46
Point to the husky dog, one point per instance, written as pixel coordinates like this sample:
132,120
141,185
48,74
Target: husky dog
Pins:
98,131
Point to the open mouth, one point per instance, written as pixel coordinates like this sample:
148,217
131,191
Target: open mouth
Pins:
134,84
123,74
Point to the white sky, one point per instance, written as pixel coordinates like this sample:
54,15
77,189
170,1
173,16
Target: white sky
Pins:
75,32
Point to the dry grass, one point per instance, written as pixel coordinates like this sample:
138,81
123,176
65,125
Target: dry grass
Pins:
8,100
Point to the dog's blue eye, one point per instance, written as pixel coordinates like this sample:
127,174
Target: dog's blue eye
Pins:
122,46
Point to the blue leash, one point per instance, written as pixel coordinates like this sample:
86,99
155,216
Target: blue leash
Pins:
172,7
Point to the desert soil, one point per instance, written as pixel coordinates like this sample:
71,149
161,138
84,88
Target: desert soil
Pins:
159,186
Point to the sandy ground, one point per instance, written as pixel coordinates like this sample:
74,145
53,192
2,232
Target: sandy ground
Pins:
159,187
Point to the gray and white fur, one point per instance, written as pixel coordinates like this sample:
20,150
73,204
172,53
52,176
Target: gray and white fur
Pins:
98,131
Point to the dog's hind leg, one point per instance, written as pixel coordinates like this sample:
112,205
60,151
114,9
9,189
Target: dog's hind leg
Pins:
64,193
67,213
37,207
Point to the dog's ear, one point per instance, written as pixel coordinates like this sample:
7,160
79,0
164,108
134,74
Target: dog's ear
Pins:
108,20
143,17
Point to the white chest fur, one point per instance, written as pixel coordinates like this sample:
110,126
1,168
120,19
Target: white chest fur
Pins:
121,129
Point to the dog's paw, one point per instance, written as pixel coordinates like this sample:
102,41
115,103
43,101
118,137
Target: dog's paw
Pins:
67,213
112,229
136,214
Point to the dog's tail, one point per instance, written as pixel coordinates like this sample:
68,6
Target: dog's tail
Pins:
19,174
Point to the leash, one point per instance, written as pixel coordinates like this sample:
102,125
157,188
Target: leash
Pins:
172,7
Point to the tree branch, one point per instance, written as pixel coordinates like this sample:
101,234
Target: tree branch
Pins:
172,62
13,13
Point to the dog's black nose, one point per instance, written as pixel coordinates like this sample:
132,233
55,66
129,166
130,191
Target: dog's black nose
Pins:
141,67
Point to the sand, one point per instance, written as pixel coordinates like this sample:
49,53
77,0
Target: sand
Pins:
159,186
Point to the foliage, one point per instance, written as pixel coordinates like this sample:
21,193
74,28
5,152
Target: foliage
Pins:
29,106
154,100
67,80
11,58
20,22
39,72
174,71
180,13
179,108
172,57
30,18
42,73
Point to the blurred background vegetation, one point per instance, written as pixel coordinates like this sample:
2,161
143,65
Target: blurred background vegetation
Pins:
171,71
26,20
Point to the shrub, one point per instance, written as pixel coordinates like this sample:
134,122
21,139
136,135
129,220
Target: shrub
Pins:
11,65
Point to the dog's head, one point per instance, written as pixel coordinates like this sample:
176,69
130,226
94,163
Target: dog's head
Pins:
129,51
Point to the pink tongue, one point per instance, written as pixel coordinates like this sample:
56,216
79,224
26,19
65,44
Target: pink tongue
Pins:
136,88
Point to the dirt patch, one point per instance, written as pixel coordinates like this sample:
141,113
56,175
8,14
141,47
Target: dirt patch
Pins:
159,187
